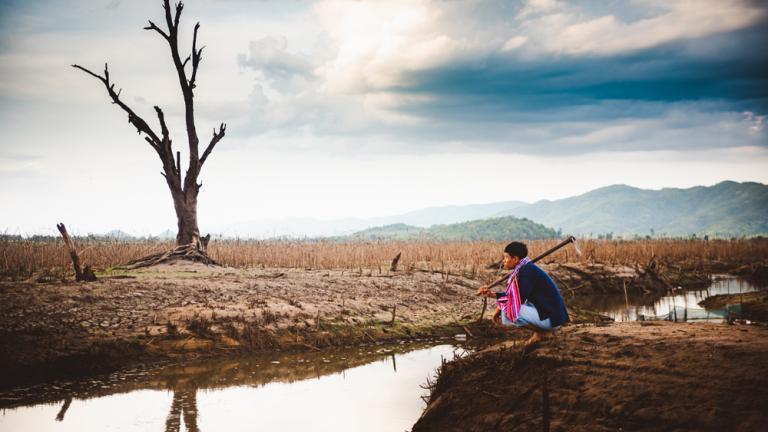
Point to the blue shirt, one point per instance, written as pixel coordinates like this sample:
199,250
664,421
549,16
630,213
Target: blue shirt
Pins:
539,289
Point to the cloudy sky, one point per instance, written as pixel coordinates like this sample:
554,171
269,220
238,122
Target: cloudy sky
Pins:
371,108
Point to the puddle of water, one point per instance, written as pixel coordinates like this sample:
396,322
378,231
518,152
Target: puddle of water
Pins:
373,388
684,304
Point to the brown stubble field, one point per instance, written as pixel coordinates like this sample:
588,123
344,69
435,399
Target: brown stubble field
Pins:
23,259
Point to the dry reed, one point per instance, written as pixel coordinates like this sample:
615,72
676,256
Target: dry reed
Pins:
25,258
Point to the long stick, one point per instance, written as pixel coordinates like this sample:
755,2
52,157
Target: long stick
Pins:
570,239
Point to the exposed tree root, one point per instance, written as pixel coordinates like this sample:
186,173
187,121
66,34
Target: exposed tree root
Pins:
188,252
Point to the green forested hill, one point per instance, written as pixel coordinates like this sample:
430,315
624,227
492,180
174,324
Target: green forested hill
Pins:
501,228
725,209
398,231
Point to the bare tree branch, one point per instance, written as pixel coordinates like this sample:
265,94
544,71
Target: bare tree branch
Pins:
217,136
168,20
99,77
179,7
133,118
186,89
163,126
167,157
196,57
152,26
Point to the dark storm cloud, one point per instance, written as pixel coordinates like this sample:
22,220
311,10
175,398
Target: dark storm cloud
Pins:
503,87
682,90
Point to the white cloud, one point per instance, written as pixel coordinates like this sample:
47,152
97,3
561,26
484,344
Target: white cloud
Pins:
533,7
606,135
514,42
568,30
374,43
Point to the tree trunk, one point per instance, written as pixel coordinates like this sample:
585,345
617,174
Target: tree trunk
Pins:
186,218
189,245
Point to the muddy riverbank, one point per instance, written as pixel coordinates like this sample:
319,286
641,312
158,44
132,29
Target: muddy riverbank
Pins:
186,311
167,313
753,305
624,376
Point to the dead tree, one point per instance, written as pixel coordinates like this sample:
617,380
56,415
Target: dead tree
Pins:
81,274
184,191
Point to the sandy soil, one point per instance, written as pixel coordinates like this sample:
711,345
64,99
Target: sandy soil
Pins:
629,376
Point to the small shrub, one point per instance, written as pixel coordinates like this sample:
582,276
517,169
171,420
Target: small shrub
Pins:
199,326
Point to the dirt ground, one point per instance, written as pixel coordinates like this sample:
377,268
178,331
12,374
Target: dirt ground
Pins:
182,311
631,376
188,310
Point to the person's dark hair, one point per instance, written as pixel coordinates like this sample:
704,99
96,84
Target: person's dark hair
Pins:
517,249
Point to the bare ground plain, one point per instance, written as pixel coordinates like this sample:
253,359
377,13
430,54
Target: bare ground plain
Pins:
175,313
185,310
188,310
652,376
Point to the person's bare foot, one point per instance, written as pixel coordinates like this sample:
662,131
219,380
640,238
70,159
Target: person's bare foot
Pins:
533,340
537,337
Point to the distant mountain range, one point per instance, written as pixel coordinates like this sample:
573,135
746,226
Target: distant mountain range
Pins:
500,228
305,227
725,209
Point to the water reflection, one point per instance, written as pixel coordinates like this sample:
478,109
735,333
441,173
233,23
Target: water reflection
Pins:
683,305
184,401
64,408
370,388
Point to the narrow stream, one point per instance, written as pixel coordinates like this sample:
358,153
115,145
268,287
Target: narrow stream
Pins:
374,388
684,305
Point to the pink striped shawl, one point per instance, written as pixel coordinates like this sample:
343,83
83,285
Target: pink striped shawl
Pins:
512,308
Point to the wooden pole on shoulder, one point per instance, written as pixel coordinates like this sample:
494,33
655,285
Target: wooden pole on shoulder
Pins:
570,239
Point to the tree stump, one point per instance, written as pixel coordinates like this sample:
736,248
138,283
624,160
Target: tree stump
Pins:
393,267
81,274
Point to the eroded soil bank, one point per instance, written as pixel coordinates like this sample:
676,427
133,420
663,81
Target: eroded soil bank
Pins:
52,329
754,305
628,376
187,311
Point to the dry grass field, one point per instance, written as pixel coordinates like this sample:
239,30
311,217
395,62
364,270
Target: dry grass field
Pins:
24,259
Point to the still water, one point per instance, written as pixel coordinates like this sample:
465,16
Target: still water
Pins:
685,303
372,388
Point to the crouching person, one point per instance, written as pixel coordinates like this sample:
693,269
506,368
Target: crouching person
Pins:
531,299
